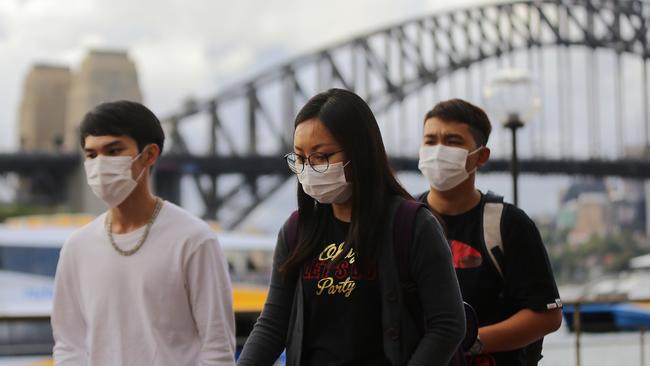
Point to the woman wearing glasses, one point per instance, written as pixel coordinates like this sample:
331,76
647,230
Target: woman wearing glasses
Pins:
334,297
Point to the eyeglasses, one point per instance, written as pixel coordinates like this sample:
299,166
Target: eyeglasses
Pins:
318,161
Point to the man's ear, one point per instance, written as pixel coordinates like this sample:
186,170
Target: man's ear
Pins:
152,154
483,156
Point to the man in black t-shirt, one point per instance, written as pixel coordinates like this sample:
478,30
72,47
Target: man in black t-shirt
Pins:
511,286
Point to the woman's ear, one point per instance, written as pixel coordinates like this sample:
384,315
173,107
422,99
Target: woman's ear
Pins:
347,170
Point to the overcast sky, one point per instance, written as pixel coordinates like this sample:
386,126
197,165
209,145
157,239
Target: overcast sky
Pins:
181,47
194,47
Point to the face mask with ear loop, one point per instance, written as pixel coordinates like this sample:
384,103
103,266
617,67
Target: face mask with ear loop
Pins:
110,177
329,186
444,166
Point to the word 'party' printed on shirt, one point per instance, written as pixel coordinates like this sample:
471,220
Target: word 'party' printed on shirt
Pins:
336,280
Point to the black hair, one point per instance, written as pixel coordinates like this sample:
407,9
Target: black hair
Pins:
460,111
123,118
349,119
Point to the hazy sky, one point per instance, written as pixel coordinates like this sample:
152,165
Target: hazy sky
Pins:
193,48
181,47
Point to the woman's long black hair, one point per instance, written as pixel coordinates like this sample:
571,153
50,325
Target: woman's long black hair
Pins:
349,119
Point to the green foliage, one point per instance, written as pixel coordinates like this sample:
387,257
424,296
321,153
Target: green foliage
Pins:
7,211
609,254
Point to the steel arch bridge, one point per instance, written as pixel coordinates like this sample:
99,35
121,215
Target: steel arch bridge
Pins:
589,58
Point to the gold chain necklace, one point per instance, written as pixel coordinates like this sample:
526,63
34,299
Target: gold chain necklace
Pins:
126,253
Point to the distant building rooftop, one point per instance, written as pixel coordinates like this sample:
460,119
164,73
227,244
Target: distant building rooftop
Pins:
114,53
585,186
44,66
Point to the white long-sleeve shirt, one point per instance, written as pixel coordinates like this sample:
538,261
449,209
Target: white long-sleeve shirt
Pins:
168,304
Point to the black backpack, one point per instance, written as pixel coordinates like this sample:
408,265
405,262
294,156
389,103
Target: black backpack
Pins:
402,239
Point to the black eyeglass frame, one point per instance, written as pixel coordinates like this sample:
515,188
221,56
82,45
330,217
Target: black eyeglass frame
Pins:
292,158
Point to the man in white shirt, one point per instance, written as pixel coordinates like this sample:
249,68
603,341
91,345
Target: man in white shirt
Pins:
146,282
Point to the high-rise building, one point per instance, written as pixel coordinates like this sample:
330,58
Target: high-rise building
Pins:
592,217
43,108
54,102
104,76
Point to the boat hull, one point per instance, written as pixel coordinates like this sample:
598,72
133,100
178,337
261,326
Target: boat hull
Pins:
609,317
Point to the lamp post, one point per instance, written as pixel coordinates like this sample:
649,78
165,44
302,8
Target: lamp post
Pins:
513,123
511,99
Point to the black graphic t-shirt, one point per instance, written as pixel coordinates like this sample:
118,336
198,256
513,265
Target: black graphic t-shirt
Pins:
342,307
528,279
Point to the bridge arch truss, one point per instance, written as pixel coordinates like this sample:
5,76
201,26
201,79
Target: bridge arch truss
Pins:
589,58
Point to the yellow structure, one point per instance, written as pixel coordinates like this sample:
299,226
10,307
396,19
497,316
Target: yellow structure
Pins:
43,108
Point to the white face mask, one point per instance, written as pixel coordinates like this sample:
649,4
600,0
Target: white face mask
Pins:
444,166
110,177
327,187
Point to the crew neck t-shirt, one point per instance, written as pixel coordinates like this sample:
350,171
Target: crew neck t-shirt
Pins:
170,303
528,278
342,306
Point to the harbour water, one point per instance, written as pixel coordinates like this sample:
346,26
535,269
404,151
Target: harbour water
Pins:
602,349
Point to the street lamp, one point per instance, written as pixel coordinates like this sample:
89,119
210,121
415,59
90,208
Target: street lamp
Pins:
511,99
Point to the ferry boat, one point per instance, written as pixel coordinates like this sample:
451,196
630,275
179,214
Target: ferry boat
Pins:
614,303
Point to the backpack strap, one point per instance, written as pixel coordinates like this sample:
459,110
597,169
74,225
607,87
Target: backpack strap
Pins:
492,197
292,232
402,241
492,214
403,237
492,218
422,197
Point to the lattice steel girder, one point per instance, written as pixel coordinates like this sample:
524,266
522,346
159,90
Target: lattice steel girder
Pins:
28,163
252,168
628,168
62,165
171,167
458,39
389,64
47,174
192,164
